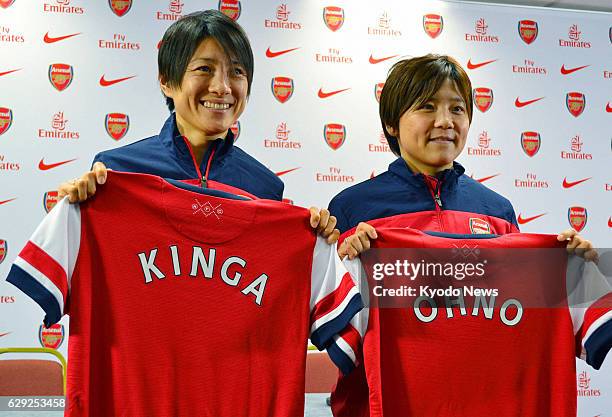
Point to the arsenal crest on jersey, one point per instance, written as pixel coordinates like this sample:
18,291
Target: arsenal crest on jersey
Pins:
530,142
120,7
378,91
51,337
6,3
117,125
433,25
479,226
575,103
50,200
528,30
231,8
577,217
483,98
334,134
333,17
282,88
6,119
3,249
60,76
235,128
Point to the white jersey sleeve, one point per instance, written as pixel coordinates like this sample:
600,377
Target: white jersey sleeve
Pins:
345,350
44,267
590,302
334,298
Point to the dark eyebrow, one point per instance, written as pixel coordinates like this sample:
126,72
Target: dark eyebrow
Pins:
203,59
213,61
456,98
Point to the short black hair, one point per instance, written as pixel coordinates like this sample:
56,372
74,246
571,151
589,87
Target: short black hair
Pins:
412,82
184,36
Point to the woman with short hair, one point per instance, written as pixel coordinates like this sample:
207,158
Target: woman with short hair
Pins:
205,70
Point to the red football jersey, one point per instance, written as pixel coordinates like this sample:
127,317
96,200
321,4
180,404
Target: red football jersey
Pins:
429,359
182,303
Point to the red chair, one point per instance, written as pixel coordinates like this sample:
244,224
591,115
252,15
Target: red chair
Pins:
32,377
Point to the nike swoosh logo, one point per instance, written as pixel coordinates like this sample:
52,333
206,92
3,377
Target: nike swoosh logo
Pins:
44,167
331,93
608,108
566,71
7,201
524,220
483,179
379,60
53,39
570,184
280,173
4,334
480,64
8,72
105,83
271,54
518,103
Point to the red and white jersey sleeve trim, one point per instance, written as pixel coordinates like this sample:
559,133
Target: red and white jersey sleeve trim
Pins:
346,348
43,269
334,298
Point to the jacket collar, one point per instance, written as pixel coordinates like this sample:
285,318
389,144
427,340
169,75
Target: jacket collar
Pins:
172,139
400,168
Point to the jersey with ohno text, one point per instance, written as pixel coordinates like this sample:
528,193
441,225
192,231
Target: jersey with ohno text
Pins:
183,303
504,356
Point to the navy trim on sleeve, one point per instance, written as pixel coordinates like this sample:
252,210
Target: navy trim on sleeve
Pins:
598,345
323,336
340,359
36,291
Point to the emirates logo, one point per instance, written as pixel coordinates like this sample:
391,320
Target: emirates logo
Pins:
282,133
574,33
484,140
583,380
58,122
481,26
175,6
384,21
576,144
282,13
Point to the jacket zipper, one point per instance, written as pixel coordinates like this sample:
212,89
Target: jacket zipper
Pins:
203,178
435,193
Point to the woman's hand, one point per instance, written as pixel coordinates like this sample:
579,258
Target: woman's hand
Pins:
324,224
80,189
358,242
578,245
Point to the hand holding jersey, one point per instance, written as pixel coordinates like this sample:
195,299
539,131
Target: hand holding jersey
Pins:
80,189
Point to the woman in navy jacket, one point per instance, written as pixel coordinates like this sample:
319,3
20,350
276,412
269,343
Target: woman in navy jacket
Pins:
426,109
205,65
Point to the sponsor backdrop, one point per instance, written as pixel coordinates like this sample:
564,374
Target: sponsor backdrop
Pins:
77,77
